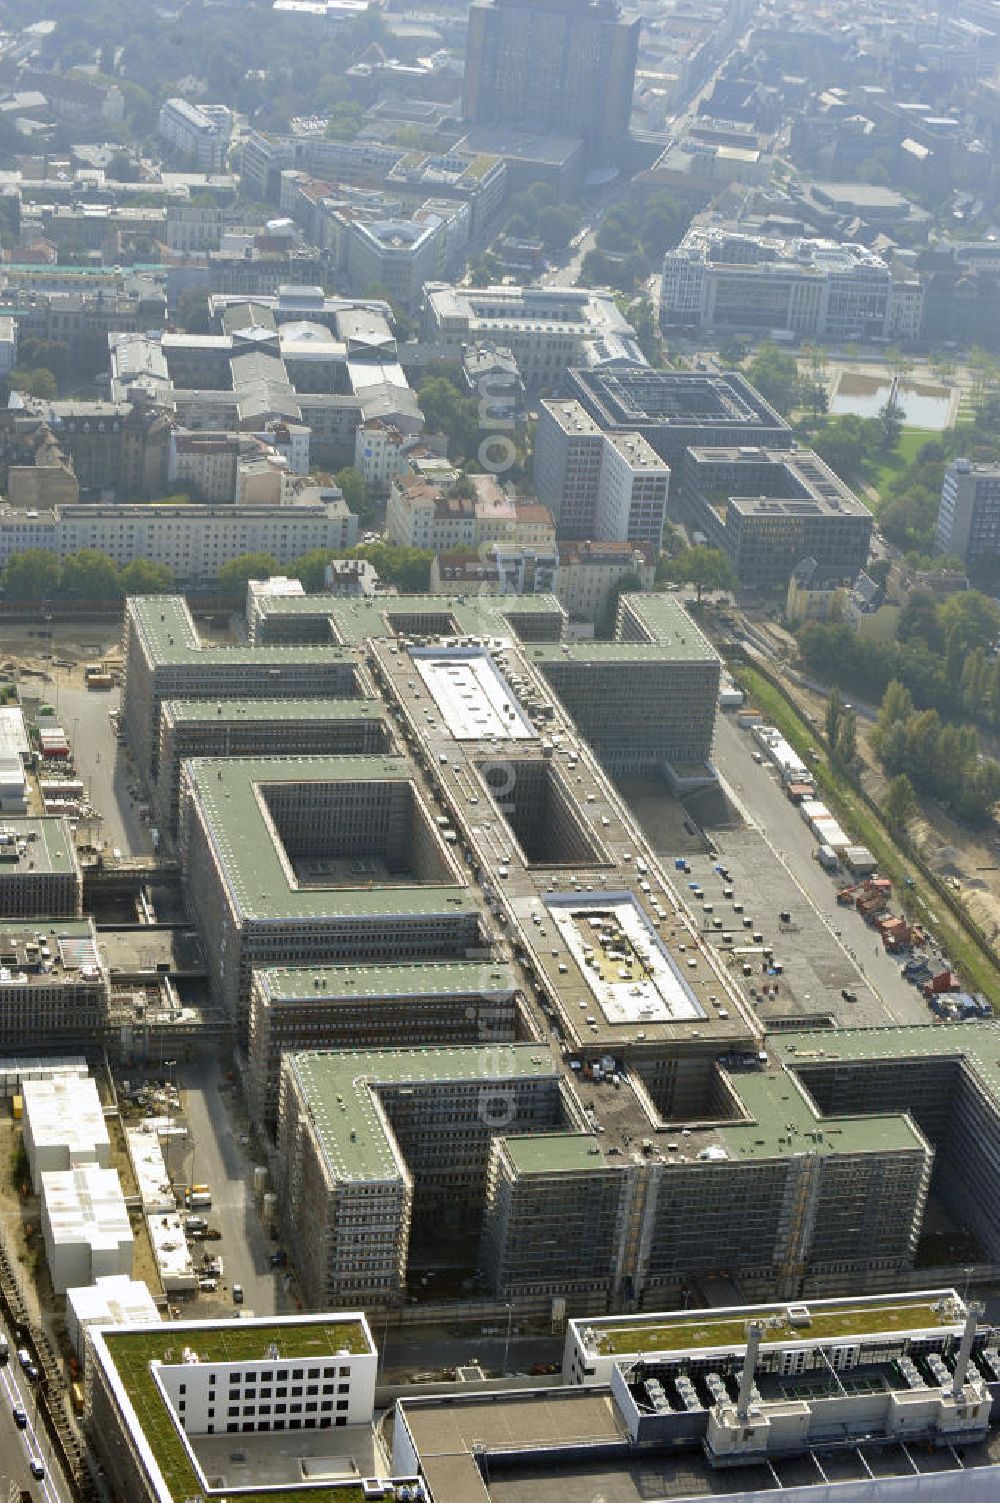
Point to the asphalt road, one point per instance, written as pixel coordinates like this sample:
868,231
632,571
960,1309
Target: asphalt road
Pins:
215,1156
408,1352
785,854
100,761
18,1446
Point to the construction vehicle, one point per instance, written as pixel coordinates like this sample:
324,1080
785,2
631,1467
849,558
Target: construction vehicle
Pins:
944,981
873,898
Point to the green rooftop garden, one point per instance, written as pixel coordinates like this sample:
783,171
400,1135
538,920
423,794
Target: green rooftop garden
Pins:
133,1352
697,1332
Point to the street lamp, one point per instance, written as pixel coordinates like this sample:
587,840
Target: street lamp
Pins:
506,1345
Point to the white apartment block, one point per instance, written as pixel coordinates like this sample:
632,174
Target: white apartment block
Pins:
113,1299
381,452
85,1225
315,1391
726,278
398,254
64,1126
420,515
201,131
547,329
588,572
193,541
8,344
611,487
526,568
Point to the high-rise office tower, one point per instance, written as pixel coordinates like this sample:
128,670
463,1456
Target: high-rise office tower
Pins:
564,67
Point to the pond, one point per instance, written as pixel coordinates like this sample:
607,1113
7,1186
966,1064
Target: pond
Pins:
925,404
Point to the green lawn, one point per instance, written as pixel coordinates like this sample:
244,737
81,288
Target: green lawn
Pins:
911,442
844,802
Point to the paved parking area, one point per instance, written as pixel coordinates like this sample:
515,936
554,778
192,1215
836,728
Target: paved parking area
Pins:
216,1152
762,840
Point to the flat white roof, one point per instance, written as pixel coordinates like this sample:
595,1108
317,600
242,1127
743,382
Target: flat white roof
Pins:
622,959
13,1072
65,1112
114,1299
472,696
150,1170
171,1251
85,1205
13,735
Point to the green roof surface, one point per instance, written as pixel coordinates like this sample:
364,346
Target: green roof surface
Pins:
166,626
674,637
183,711
423,979
785,1121
703,1329
338,1085
358,619
252,860
132,1352
554,1153
167,629
978,1044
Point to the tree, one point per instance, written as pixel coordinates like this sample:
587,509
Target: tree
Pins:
449,410
974,617
705,568
776,376
234,575
834,714
900,803
556,226
38,382
890,421
846,443
31,575
192,312
90,575
355,491
346,119
900,365
733,350
920,617
943,366
123,168
310,569
845,749
52,355
143,577
897,704
409,569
